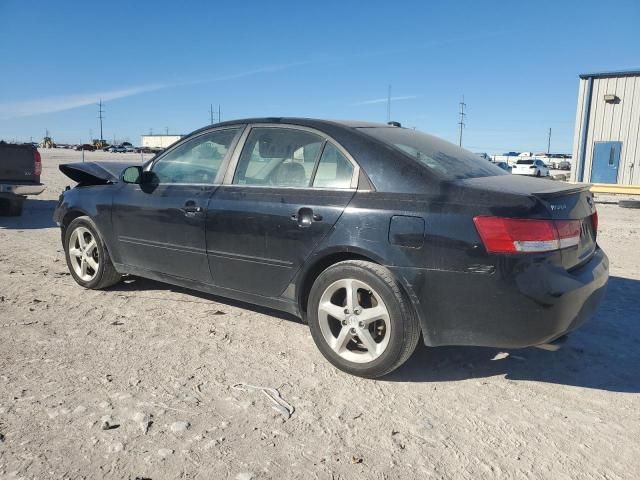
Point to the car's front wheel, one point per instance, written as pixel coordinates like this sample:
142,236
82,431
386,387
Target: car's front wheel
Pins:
360,319
87,257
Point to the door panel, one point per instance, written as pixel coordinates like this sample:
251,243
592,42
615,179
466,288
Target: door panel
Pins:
163,230
160,225
606,159
257,238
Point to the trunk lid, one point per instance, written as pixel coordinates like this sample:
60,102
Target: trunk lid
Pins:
559,200
17,164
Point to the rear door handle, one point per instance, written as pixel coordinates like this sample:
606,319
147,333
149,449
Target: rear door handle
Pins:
305,217
190,207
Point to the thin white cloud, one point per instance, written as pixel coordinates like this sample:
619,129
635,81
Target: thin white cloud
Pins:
59,103
38,106
384,100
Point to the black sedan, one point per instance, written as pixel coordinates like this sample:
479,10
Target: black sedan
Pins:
376,235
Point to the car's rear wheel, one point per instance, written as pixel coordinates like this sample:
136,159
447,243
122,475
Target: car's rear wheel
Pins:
87,257
538,173
360,319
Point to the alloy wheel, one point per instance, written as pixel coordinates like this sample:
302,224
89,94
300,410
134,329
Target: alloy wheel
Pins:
354,320
83,253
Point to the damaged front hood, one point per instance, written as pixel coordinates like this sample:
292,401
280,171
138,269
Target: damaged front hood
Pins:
94,173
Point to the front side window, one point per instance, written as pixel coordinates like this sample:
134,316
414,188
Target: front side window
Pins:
334,170
282,157
197,160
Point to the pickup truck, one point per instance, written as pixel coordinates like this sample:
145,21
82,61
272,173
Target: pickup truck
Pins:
20,168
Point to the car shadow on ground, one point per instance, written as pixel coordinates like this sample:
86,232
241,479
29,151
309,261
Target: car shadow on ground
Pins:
603,354
138,284
36,214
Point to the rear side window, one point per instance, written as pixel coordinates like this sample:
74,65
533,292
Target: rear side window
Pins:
283,157
334,170
442,158
524,162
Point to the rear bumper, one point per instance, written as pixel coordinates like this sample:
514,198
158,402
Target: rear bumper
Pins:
511,309
22,189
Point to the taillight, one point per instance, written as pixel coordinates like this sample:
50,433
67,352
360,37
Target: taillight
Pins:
516,235
594,222
37,163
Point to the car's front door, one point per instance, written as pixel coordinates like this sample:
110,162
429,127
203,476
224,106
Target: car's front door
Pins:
160,225
287,191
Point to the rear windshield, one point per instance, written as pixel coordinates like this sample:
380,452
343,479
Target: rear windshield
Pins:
524,162
442,158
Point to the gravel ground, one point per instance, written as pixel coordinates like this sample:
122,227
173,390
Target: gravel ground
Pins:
137,382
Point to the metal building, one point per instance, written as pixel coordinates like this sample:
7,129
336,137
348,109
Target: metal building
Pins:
606,144
159,141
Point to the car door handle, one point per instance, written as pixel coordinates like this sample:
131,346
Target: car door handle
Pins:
190,208
305,217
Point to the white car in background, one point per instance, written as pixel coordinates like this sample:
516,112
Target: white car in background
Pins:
531,167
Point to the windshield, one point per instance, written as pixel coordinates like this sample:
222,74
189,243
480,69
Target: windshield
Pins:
443,158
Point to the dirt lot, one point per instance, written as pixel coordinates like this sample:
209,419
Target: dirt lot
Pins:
157,365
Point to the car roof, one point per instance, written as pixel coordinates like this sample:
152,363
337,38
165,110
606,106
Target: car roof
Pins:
317,123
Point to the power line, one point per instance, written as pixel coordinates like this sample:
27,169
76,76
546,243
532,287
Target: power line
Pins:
211,113
462,115
100,116
389,104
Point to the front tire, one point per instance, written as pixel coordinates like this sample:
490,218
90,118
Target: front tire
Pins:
360,319
87,257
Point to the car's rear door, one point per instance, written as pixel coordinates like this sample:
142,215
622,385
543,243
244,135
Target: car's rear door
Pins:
160,226
283,193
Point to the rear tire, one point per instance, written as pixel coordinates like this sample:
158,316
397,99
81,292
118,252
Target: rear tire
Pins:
538,173
369,332
11,207
87,256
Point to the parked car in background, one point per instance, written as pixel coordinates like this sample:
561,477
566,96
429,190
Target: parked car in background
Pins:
87,147
20,169
130,149
532,167
503,165
511,154
564,165
377,235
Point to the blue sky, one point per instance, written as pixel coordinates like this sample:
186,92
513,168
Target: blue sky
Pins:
159,65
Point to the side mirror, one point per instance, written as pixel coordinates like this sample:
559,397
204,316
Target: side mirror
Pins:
132,175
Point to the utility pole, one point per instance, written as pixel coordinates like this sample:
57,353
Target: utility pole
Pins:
219,114
166,130
549,142
100,116
389,104
211,113
462,115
